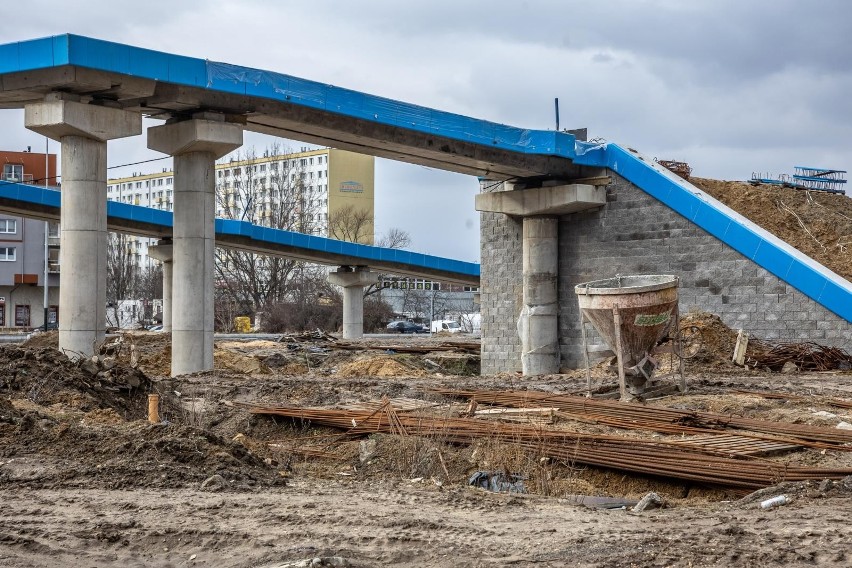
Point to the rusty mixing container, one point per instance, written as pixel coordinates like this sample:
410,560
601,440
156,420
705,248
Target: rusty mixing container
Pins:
631,313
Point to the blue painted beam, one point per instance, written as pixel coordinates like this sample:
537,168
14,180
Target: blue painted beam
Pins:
255,85
39,202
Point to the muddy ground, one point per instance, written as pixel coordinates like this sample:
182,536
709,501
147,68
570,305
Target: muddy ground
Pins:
85,480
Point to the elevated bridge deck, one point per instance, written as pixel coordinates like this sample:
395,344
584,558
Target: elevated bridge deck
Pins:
41,203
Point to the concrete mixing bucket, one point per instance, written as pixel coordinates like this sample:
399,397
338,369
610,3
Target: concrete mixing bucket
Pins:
643,306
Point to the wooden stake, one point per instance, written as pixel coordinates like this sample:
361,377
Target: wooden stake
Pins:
154,408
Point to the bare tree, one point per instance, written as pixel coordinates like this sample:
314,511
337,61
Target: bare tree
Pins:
352,224
395,238
122,274
149,286
273,194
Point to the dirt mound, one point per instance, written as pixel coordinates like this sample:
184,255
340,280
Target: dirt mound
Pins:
129,454
234,361
46,376
714,340
43,339
382,366
818,224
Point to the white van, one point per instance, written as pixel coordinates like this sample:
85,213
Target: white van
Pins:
448,326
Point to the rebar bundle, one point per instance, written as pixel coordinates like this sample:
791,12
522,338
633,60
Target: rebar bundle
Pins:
659,458
636,416
806,356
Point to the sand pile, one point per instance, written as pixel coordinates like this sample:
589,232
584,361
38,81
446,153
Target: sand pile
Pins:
234,361
381,366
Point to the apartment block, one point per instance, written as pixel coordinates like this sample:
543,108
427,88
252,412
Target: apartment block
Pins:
23,249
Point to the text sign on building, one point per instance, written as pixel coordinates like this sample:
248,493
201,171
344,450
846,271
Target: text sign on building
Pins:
351,187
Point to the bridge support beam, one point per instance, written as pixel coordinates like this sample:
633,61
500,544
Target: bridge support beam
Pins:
163,251
83,131
195,145
353,282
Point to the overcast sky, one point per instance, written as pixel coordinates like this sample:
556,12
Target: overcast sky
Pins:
732,87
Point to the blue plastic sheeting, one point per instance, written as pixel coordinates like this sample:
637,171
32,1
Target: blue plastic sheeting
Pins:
126,60
768,251
29,194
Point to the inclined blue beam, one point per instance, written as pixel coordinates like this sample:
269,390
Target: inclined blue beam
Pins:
752,241
42,203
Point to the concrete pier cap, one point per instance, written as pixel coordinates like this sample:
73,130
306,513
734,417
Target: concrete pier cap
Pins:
57,117
83,130
195,143
205,132
353,280
559,199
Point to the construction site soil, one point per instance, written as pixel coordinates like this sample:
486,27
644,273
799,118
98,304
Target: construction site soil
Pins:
86,480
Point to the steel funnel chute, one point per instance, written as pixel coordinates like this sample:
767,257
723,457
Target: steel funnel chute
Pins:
632,314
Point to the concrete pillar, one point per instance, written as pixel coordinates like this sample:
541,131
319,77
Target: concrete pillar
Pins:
195,144
83,131
537,325
163,251
353,282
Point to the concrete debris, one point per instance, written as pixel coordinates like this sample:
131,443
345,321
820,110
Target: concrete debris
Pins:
649,501
367,449
214,483
773,502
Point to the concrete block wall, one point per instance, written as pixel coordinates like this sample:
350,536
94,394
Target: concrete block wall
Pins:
501,292
636,234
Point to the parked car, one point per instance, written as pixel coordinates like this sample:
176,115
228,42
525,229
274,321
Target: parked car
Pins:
401,326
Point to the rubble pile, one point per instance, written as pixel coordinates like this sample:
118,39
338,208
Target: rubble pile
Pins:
46,376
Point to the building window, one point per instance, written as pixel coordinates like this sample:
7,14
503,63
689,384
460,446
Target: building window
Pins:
7,254
8,226
169,180
13,172
22,315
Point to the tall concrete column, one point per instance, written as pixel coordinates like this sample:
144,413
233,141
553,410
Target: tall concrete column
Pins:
195,144
83,131
537,325
163,251
353,282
